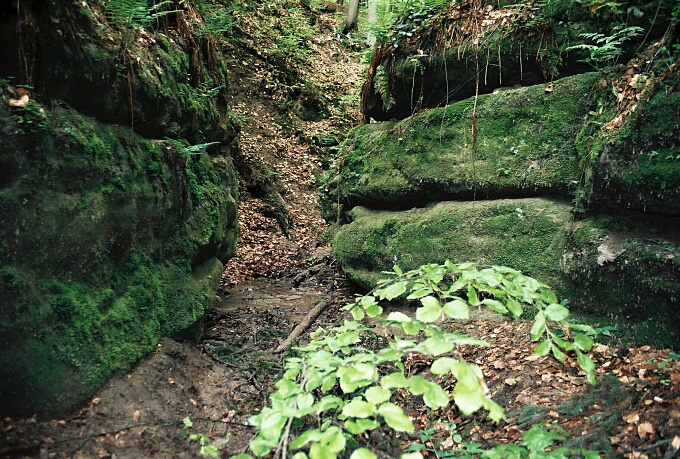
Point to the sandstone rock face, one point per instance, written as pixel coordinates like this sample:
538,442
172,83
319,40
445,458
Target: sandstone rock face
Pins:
112,235
569,183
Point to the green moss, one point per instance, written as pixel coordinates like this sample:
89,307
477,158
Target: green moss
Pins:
639,168
629,273
525,146
112,246
526,234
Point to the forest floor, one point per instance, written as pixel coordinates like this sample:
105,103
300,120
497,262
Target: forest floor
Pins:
275,278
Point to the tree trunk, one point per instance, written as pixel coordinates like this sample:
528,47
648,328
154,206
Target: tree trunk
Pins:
352,16
372,18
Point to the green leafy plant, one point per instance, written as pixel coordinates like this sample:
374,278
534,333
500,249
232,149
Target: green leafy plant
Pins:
207,447
338,387
537,442
606,49
137,13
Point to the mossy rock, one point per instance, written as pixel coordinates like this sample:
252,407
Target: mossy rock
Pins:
525,146
165,80
108,242
465,49
640,168
525,234
627,270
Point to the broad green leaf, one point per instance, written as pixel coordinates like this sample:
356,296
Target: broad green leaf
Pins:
472,296
468,398
514,307
565,345
584,328
271,424
374,310
394,381
298,455
262,446
333,439
321,451
539,326
437,345
419,293
363,453
393,291
359,408
304,400
397,270
395,418
430,311
358,375
559,355
496,412
442,365
495,305
359,426
287,388
537,438
328,402
399,317
435,397
377,395
457,309
587,365
347,338
417,384
556,312
583,342
542,348
329,382
412,328
412,455
366,301
357,313
305,437
468,393
457,285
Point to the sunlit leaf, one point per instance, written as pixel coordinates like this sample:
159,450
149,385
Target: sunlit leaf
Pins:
442,365
457,309
435,397
583,342
358,408
377,395
305,437
395,418
363,453
538,328
359,426
542,348
495,305
430,311
556,312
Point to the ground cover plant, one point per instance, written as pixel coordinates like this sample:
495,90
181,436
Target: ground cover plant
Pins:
345,383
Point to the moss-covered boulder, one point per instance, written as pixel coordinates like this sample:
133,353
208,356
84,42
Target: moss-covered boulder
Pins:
122,62
112,236
608,158
525,234
627,269
525,146
638,156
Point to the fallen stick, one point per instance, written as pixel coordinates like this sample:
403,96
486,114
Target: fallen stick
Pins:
301,327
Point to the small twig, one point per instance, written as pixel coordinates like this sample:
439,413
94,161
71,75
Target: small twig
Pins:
301,327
